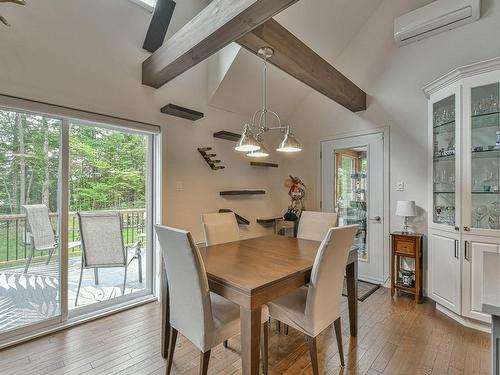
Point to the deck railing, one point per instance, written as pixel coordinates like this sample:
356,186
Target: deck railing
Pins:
14,240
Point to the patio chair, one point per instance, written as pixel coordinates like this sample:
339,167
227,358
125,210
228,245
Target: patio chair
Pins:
39,229
102,244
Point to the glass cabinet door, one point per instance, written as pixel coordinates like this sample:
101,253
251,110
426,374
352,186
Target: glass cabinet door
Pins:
444,154
485,156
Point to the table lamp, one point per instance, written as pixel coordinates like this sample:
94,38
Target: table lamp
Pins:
406,209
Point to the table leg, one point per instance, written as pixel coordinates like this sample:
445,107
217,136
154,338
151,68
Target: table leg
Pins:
250,340
495,345
165,312
352,296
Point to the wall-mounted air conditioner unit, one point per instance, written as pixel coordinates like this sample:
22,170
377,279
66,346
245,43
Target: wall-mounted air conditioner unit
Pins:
434,18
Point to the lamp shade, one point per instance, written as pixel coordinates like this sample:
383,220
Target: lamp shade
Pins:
406,208
247,142
260,153
289,143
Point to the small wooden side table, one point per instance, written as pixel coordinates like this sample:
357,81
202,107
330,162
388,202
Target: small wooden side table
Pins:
406,245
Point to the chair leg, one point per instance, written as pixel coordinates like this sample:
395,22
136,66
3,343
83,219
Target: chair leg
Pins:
50,255
124,281
29,260
225,343
338,333
204,359
79,284
139,261
313,352
264,347
171,349
96,276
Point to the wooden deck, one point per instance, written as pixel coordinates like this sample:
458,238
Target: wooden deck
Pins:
395,337
33,297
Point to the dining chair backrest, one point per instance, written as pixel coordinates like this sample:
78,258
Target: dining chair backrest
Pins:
314,225
220,228
102,241
190,306
39,226
327,277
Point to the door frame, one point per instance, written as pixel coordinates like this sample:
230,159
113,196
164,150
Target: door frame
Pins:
385,131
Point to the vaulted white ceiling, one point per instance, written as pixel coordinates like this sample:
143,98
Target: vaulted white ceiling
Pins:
326,26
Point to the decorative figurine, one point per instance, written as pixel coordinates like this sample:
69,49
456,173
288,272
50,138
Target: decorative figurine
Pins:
297,193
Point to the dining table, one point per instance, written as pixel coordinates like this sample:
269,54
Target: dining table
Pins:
252,272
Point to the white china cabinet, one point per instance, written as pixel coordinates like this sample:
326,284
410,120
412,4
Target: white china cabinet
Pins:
464,186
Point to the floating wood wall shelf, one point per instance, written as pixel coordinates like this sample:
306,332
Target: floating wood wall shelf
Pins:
228,136
178,111
269,220
240,219
204,151
243,192
263,164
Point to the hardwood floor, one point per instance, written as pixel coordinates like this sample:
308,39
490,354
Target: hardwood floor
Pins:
395,337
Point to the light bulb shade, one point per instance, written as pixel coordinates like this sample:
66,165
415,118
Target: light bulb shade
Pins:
406,208
289,144
247,142
262,153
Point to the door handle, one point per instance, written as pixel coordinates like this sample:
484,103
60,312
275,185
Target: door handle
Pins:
456,249
378,219
466,251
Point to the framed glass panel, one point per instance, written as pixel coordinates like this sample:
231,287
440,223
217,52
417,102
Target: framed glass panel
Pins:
485,157
444,149
30,270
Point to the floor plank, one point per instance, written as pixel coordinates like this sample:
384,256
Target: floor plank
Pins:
396,336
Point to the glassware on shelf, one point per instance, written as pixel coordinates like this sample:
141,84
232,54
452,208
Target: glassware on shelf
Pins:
444,115
479,213
485,105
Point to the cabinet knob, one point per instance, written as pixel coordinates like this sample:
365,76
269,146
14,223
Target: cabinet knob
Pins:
457,228
467,229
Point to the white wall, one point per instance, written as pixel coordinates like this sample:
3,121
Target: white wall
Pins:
87,55
393,78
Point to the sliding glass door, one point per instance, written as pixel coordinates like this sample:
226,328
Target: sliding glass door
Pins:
76,217
108,173
30,182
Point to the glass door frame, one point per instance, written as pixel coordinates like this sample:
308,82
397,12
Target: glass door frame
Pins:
468,85
326,188
454,90
66,317
74,313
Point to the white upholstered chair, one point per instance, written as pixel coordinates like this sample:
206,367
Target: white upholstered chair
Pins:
310,310
204,318
220,227
314,225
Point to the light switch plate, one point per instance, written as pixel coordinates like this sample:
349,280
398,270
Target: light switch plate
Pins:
400,186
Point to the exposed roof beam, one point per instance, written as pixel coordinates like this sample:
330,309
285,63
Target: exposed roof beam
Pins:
295,58
218,24
158,26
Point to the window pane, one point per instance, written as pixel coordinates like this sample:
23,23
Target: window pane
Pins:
108,171
29,184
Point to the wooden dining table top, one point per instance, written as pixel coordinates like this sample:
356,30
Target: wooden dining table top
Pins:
253,264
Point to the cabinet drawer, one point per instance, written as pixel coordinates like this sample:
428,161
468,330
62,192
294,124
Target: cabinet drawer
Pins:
405,247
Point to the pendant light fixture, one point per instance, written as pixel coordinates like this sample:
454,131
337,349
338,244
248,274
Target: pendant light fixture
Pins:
252,140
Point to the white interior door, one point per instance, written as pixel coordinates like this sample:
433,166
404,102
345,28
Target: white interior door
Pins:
352,184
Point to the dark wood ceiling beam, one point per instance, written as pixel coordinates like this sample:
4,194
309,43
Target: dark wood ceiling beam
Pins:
164,9
218,24
295,58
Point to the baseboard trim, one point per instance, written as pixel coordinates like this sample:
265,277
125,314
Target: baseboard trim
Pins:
466,322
